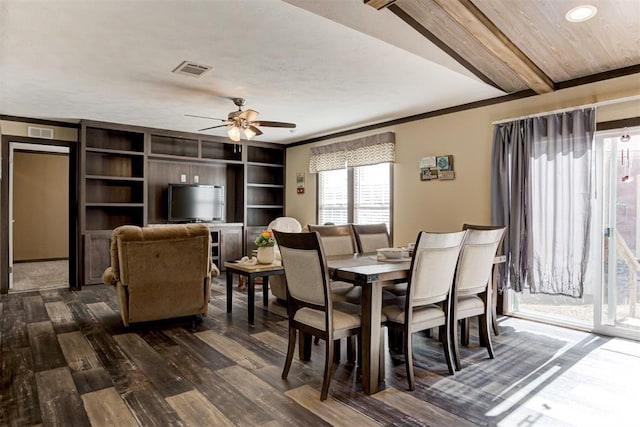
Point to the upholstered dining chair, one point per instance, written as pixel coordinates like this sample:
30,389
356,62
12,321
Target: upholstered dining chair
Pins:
471,289
288,225
339,240
370,237
494,282
309,303
428,300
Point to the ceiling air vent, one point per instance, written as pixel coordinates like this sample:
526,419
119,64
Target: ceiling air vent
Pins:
36,132
192,69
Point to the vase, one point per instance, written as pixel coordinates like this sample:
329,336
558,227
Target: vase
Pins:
266,255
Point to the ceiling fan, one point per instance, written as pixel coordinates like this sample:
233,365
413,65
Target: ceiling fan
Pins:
244,121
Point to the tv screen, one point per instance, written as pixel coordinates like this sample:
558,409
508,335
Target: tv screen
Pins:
195,203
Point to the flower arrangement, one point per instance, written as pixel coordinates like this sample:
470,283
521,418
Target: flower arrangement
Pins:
265,239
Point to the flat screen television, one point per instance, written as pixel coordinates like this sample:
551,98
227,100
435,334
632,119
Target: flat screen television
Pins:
196,203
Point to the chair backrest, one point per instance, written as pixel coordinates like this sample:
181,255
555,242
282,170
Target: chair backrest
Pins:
433,266
477,257
305,269
151,255
370,237
336,239
286,224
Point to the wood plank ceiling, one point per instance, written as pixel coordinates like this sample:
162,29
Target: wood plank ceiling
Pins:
519,45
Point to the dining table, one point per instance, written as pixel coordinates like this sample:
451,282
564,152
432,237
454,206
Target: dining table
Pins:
373,274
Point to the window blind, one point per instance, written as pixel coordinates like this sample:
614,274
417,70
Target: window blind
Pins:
370,150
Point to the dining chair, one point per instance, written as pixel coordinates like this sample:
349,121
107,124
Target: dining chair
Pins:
339,240
370,237
309,304
471,290
428,300
289,225
494,282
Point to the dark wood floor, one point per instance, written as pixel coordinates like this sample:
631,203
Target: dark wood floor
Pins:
67,360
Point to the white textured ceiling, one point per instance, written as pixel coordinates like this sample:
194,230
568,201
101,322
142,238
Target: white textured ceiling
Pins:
326,65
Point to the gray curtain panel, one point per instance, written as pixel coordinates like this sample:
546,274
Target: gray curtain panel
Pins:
541,188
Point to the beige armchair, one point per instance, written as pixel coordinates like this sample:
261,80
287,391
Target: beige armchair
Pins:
161,272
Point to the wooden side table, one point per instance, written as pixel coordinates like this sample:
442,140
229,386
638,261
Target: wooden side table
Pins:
251,272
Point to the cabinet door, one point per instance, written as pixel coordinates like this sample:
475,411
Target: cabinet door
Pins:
97,256
160,174
230,244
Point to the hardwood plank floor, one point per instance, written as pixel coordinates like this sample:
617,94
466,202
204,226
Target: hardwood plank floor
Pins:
66,359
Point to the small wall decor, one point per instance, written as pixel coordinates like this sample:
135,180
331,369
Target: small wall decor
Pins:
300,182
437,167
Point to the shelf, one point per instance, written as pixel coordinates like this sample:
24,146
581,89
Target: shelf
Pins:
108,217
118,152
264,155
174,146
114,140
114,165
114,178
264,185
265,175
265,206
266,165
217,150
110,204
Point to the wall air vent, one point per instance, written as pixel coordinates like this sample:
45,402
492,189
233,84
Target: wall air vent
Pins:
190,68
37,132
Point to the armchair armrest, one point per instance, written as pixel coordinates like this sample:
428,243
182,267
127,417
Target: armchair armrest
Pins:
108,277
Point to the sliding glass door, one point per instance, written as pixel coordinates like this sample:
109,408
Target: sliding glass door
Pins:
618,312
610,301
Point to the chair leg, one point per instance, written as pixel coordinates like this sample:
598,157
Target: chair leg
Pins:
304,347
446,344
454,344
381,360
408,356
464,337
494,302
328,365
290,350
351,349
485,336
316,340
337,351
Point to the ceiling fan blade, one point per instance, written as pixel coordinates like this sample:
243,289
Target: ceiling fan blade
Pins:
204,117
274,124
257,131
213,127
250,115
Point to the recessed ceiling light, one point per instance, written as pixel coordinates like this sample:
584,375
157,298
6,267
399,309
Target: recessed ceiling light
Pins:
581,13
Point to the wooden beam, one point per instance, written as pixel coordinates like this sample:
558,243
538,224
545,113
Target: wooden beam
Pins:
379,4
482,29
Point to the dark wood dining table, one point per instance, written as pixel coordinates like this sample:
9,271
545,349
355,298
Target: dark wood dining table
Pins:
373,276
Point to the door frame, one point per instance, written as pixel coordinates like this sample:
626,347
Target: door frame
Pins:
34,143
599,324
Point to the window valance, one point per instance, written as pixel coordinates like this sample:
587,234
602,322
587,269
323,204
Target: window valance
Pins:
369,150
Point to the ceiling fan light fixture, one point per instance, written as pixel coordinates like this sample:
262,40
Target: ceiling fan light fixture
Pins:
234,133
249,133
581,13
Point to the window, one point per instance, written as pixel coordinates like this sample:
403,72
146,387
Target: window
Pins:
361,195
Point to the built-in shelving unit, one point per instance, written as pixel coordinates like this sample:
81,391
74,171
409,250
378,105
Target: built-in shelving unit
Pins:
112,188
265,189
125,172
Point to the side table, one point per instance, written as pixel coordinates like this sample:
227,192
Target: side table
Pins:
251,272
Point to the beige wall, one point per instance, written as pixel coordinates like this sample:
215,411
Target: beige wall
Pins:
40,206
467,135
